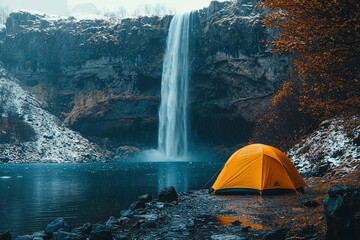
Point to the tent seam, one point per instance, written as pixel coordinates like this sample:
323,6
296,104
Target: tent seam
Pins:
282,165
262,169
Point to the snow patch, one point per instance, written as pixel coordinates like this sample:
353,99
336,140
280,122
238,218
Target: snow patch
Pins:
331,146
53,141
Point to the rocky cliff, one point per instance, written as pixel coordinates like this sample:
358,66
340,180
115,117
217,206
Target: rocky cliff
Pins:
103,78
30,134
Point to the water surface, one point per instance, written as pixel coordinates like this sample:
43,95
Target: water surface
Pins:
32,195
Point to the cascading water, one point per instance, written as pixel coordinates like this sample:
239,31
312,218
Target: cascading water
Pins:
173,122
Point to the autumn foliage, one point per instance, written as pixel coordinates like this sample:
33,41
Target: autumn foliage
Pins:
283,123
322,38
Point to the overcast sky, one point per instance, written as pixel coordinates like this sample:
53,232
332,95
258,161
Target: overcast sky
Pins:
60,6
130,5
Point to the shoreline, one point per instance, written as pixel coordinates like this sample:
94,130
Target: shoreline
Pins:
195,215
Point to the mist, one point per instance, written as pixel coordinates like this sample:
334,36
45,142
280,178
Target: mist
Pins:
58,7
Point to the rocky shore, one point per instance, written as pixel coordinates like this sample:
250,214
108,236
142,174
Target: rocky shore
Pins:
199,215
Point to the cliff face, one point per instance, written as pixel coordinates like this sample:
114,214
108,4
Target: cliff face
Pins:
30,134
103,79
234,75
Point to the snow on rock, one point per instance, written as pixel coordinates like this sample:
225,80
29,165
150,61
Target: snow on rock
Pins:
334,145
53,142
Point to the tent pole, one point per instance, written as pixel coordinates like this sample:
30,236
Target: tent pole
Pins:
212,177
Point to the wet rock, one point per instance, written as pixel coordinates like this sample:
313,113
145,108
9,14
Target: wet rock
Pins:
58,224
145,198
166,204
309,203
132,223
25,237
126,152
178,227
225,212
321,169
5,236
124,220
168,194
159,205
112,223
61,235
85,229
356,140
275,234
307,230
337,153
342,211
40,235
325,124
226,237
121,237
152,224
236,223
126,213
148,220
137,205
100,232
206,218
245,229
139,211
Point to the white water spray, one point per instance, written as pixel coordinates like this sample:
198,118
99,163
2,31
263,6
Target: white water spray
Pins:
173,122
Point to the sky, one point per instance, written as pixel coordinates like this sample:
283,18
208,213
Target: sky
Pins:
130,5
60,7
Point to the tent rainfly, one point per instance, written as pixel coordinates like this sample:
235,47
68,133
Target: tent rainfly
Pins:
258,169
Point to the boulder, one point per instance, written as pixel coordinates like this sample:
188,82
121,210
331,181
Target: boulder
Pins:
124,220
168,194
131,223
100,232
309,203
56,225
61,235
342,211
275,234
126,213
85,228
112,223
137,205
145,198
245,229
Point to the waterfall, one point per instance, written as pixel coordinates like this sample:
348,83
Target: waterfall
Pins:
173,122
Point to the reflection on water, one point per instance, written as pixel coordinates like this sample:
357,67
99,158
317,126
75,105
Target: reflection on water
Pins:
226,220
261,212
32,195
173,175
248,206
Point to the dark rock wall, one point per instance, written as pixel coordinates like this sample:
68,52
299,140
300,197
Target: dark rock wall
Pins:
342,209
234,74
63,60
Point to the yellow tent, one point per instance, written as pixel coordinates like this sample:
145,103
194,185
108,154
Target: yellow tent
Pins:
258,168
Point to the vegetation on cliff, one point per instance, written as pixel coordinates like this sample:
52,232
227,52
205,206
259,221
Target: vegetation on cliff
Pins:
324,42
